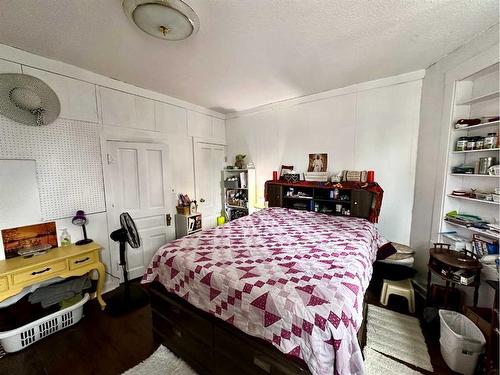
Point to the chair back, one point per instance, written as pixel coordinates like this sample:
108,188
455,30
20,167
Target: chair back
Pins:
441,247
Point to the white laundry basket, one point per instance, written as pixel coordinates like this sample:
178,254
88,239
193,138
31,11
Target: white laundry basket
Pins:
19,338
461,342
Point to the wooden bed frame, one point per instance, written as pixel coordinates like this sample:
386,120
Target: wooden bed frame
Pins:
212,346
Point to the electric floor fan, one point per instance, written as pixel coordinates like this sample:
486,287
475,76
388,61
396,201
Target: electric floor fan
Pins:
126,297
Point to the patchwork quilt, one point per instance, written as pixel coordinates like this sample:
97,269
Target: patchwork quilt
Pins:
294,278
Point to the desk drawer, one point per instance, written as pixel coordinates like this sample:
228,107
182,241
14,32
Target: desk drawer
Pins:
81,260
38,273
4,284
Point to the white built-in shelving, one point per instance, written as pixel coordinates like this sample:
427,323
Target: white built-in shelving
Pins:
473,230
476,151
476,95
475,175
480,98
491,124
472,199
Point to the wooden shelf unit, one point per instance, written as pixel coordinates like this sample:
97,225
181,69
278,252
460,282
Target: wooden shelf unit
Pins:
320,198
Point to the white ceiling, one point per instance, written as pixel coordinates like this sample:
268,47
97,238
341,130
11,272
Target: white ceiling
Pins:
250,52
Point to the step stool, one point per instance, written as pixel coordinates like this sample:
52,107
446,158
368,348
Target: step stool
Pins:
402,288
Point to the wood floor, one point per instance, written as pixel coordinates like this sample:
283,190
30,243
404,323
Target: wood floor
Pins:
101,344
98,344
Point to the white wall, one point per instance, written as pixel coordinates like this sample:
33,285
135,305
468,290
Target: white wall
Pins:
104,108
373,125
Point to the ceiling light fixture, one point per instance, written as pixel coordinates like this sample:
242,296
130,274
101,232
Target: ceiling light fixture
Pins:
164,19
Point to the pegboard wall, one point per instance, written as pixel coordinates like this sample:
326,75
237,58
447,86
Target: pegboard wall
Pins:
68,159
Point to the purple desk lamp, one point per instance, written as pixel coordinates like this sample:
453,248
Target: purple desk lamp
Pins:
80,219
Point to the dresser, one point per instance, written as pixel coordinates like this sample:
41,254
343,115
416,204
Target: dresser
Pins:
18,273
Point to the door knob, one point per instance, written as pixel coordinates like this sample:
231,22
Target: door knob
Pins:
202,200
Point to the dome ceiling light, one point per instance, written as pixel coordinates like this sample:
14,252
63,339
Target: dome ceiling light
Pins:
164,19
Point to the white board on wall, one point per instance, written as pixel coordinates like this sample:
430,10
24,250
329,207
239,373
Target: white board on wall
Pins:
19,196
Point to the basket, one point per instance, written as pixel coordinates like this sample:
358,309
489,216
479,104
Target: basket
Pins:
183,210
461,341
19,338
291,177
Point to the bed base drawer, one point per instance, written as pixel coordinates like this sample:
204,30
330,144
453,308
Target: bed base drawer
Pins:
253,359
182,343
182,317
214,347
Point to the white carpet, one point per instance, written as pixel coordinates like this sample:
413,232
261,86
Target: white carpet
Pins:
161,362
379,364
398,336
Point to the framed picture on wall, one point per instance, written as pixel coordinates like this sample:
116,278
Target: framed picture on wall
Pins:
15,239
318,163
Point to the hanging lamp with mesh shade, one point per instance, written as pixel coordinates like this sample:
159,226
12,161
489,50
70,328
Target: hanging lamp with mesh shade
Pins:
28,100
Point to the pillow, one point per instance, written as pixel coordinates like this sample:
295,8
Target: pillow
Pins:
399,256
403,249
385,251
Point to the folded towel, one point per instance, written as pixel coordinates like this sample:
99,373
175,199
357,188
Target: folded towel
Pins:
55,293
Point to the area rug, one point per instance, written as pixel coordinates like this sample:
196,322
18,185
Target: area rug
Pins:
161,362
397,335
378,364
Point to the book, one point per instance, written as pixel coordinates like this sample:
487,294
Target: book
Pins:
464,277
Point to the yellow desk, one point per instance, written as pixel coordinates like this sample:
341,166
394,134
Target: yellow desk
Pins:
18,273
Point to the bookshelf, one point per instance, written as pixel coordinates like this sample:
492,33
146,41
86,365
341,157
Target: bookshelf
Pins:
239,192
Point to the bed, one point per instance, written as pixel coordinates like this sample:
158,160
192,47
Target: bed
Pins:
293,280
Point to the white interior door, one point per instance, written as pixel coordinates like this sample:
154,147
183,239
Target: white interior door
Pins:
209,160
138,181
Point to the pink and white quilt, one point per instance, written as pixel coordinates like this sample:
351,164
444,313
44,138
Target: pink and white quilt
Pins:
293,278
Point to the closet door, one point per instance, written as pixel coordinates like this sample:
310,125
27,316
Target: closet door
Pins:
137,184
209,159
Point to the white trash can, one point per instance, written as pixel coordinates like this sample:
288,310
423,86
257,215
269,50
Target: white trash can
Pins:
461,341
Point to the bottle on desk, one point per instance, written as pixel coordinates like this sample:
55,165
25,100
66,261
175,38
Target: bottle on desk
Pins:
65,238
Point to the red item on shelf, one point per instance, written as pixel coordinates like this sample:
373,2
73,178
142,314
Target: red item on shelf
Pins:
370,176
275,175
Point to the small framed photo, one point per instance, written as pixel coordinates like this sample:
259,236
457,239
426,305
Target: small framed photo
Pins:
318,163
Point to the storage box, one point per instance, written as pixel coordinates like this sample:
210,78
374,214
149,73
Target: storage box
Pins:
316,176
481,317
232,184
